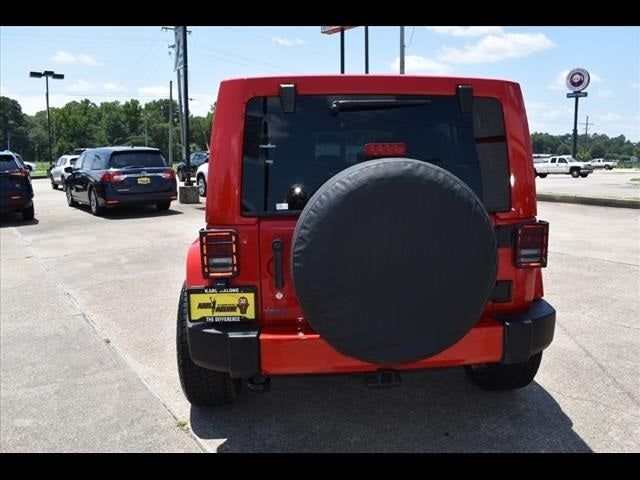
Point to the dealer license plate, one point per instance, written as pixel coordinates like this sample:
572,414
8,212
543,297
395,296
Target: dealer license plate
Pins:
144,180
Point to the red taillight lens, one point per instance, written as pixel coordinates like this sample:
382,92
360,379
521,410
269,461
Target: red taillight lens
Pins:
19,173
112,177
385,149
170,175
219,254
531,245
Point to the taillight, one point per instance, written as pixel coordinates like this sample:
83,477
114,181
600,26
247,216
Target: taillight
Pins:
112,177
19,173
170,175
373,150
218,252
531,245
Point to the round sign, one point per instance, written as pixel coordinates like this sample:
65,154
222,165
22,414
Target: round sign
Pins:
577,79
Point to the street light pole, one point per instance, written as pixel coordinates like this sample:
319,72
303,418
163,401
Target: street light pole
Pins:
46,74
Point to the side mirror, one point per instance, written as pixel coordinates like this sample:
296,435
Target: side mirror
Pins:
68,169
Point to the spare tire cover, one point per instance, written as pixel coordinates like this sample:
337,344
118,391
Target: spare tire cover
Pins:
393,260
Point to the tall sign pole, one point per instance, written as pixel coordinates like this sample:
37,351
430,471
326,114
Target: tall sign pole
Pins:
329,30
366,49
402,50
577,80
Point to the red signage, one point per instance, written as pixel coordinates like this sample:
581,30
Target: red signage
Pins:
335,29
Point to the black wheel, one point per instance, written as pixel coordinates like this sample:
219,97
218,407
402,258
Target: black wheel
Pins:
202,186
53,184
575,173
28,213
505,377
584,175
607,167
181,176
163,206
70,201
96,209
201,386
542,175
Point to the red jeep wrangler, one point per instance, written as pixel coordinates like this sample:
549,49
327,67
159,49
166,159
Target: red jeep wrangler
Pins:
366,224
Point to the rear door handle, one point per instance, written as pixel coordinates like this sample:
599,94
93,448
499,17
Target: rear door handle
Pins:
276,246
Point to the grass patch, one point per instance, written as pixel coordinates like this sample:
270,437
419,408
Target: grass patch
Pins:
182,425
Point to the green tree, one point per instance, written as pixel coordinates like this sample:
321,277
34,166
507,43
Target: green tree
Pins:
597,151
563,149
12,132
76,125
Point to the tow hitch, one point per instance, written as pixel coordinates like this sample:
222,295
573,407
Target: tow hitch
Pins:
259,384
383,379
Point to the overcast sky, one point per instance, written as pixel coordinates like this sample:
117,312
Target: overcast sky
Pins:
119,63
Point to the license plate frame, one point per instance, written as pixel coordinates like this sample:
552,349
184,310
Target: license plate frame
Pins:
222,305
144,180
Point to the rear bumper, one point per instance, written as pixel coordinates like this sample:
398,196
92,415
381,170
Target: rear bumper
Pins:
14,205
142,198
247,351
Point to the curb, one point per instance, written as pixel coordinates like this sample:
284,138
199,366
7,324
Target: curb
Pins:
599,201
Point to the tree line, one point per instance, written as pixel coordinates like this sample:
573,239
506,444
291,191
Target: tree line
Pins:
85,124
82,124
596,145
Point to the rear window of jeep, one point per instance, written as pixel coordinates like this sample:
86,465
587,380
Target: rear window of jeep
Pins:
305,148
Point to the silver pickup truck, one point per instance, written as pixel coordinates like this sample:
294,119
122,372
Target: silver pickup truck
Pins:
565,164
602,163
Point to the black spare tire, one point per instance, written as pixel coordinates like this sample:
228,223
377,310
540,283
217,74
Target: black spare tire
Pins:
393,260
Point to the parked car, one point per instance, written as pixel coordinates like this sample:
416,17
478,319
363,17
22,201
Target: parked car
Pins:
562,165
28,165
387,229
114,176
57,175
201,178
16,191
602,163
196,159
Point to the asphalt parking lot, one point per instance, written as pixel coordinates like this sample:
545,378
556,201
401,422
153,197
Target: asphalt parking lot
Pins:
601,183
87,354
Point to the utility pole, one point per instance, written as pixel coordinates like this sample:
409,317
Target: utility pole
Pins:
171,122
402,50
185,70
180,116
146,136
586,132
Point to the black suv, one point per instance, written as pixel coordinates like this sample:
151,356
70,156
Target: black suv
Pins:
113,176
196,159
16,192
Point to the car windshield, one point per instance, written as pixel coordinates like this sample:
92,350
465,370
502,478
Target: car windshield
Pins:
137,160
328,133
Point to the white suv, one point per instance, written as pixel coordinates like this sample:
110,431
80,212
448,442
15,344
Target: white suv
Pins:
201,178
57,174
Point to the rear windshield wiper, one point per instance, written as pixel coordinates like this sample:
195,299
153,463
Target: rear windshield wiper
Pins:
134,166
338,106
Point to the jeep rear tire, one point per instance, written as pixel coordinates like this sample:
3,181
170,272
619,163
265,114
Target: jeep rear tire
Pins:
201,386
393,260
505,376
54,185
